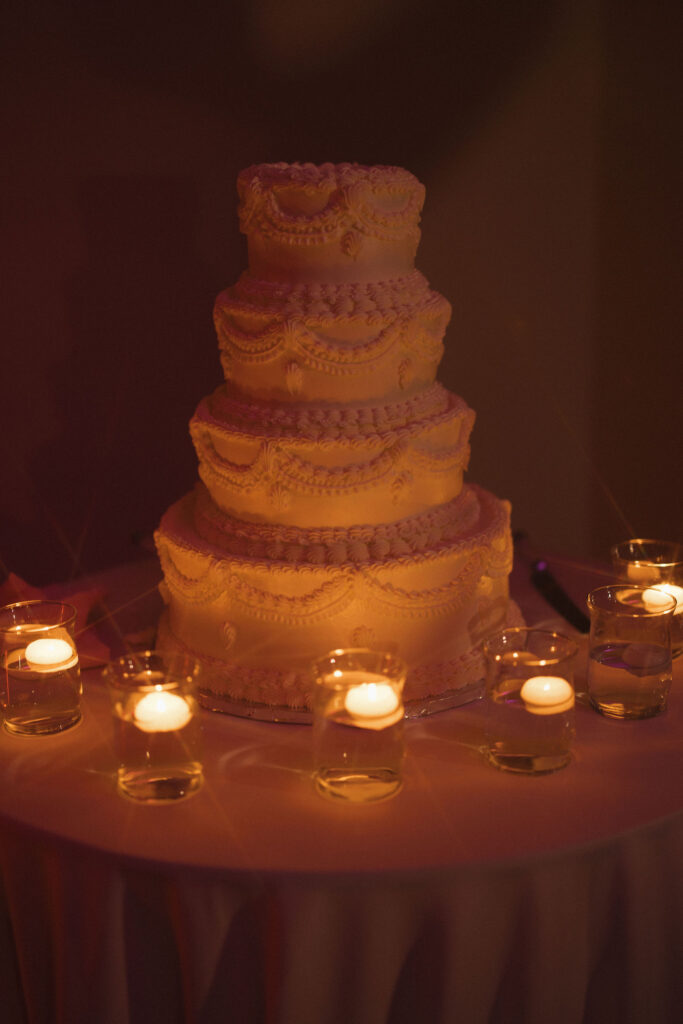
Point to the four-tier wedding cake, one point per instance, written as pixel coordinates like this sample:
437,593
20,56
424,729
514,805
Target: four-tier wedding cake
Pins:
331,510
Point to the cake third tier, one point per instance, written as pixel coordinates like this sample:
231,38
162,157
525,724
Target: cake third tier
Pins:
331,342
305,465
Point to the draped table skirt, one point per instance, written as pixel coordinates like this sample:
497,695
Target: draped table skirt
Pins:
472,896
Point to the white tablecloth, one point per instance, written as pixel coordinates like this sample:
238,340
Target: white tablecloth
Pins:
472,896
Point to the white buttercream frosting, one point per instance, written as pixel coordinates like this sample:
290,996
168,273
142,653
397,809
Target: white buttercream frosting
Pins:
331,509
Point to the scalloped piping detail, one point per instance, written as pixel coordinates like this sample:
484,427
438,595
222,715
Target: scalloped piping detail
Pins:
434,600
349,204
398,460
345,214
339,480
256,347
372,221
274,466
331,598
292,338
196,590
336,594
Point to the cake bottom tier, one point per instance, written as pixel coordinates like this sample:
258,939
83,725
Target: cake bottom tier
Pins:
258,623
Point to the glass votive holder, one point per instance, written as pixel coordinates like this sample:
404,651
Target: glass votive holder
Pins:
656,563
530,700
156,722
629,664
358,724
41,691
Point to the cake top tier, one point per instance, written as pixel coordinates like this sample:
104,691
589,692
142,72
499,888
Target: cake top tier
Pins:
329,223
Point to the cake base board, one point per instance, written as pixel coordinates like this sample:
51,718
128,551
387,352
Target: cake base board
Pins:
211,701
418,708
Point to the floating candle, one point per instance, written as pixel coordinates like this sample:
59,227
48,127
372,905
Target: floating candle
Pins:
640,572
161,711
49,653
547,695
371,700
654,598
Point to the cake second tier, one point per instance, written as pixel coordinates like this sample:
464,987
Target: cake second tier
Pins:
342,464
331,342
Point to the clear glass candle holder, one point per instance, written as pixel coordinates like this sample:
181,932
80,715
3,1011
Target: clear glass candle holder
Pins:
629,668
656,563
156,722
358,724
41,690
529,700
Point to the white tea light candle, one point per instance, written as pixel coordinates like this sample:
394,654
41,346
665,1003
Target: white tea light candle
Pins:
371,700
161,711
654,598
547,695
639,573
49,653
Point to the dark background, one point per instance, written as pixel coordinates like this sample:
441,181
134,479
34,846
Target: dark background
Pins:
547,134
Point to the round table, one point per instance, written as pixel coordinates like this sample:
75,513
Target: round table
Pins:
473,895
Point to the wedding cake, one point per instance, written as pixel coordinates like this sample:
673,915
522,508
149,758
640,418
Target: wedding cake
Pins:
331,509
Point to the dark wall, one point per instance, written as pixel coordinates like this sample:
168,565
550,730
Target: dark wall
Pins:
639,367
125,129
